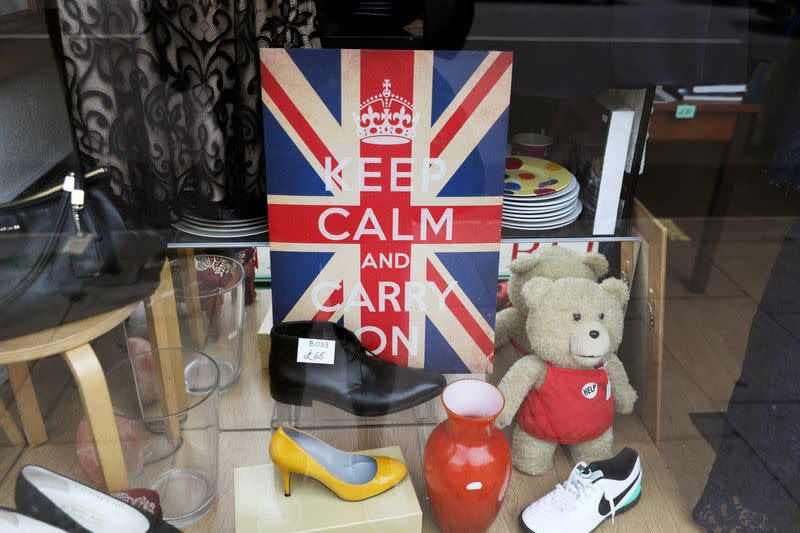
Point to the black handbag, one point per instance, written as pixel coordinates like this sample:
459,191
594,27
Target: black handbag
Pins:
73,252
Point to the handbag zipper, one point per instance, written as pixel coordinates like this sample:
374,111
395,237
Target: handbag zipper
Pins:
76,209
90,176
77,198
76,201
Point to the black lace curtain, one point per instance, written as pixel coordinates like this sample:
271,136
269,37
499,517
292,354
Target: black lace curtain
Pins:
167,94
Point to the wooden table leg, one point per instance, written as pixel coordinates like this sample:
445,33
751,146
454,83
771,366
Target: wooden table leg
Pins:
27,404
162,321
162,313
93,388
190,289
10,427
720,199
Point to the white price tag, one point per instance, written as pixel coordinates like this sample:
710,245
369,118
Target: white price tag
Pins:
316,351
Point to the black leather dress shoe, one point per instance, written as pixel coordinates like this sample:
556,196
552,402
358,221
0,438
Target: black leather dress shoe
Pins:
356,382
72,506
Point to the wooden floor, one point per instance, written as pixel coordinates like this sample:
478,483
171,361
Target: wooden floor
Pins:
705,340
706,335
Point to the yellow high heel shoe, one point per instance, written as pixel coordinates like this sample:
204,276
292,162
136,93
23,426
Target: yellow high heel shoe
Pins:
351,476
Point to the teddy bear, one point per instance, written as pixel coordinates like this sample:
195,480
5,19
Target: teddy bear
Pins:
566,390
552,262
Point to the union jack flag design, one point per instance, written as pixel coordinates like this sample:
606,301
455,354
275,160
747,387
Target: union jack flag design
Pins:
384,179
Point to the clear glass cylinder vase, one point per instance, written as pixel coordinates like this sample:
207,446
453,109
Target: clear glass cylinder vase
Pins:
209,293
170,434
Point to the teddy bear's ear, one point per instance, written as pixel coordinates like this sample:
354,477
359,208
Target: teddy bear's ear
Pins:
523,264
597,263
618,289
534,291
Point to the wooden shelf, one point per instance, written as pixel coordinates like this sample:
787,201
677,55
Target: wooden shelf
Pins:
180,240
712,122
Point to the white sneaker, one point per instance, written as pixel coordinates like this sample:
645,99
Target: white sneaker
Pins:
592,493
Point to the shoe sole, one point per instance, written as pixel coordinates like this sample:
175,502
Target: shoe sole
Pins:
305,399
624,510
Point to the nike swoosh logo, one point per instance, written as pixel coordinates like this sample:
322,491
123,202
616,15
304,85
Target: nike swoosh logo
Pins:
604,507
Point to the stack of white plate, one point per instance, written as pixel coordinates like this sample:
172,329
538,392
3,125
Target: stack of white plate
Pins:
539,194
221,229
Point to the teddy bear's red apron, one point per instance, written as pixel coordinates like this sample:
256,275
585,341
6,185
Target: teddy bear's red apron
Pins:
571,406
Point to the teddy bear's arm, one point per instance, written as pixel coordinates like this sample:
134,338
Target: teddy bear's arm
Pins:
509,321
624,394
527,373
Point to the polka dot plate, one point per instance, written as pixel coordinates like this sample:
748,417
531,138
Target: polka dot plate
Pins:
530,176
546,224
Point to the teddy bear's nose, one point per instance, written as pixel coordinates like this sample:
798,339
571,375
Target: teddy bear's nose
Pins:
594,334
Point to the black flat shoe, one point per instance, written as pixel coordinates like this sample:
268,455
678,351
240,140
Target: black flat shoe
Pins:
72,506
356,382
15,522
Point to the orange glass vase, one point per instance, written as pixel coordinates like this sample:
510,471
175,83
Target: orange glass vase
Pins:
467,459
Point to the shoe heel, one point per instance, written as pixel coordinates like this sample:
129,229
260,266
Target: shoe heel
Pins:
292,398
286,477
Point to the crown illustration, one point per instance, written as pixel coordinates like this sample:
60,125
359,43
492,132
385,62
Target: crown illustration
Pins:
386,118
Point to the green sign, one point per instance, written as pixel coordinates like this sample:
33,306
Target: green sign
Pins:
685,111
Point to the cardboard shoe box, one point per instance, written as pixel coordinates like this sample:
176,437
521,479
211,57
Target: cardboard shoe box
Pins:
261,505
264,339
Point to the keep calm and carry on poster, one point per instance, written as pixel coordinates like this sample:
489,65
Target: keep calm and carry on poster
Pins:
384,181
